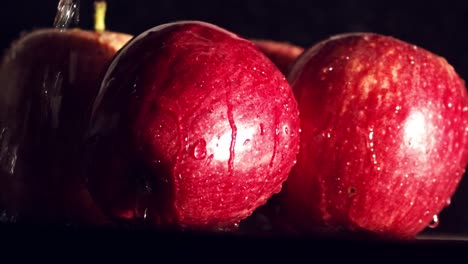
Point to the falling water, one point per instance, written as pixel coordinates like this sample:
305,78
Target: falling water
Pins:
67,13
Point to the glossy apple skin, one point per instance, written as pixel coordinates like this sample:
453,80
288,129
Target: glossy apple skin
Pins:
282,54
48,80
384,137
193,128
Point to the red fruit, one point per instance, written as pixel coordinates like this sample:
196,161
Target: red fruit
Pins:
282,54
193,127
384,136
49,78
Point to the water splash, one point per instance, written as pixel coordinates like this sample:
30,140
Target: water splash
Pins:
67,14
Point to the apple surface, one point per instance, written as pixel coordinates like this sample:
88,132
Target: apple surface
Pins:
193,129
281,53
384,137
48,80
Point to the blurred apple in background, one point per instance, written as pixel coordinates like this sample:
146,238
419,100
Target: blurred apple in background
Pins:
48,80
384,139
281,53
193,128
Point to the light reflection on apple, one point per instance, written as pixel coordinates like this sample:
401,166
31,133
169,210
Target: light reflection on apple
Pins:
220,146
416,132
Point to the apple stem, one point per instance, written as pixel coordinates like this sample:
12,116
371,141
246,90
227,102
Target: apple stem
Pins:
100,7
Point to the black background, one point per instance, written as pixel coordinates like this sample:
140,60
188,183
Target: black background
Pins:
438,26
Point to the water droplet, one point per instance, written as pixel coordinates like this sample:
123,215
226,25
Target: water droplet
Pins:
246,142
199,149
145,213
435,222
397,109
448,202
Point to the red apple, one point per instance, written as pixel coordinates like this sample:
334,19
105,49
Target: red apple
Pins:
193,128
281,53
384,139
49,78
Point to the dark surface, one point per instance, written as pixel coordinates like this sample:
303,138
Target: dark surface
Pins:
439,26
88,245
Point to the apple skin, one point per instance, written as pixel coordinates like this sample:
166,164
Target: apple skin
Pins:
384,137
193,129
49,79
282,54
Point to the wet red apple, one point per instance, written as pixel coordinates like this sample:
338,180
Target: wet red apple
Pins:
384,139
281,53
49,78
193,128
